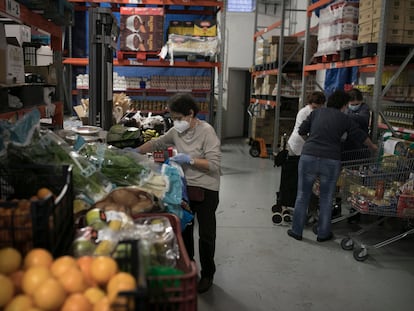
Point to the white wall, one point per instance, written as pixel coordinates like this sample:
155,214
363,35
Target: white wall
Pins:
239,43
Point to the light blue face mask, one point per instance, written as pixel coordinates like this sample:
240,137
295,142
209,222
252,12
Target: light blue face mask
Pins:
354,107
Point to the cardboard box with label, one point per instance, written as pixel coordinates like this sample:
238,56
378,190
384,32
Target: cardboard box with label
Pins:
11,59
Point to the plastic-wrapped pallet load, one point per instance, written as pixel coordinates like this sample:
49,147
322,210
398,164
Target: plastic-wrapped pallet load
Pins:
338,26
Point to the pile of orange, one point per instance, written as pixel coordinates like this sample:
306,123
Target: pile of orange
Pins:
39,282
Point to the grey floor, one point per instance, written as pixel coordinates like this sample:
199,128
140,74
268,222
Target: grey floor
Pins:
260,268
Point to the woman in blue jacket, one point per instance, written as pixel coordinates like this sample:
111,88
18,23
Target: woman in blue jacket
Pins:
321,157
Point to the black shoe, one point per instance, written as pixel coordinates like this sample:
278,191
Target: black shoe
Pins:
294,235
329,237
204,284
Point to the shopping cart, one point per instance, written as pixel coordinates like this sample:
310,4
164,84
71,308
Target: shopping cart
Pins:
382,186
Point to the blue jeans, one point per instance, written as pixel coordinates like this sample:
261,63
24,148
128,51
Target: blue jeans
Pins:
309,169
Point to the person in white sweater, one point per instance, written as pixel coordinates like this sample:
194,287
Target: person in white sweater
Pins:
199,154
295,143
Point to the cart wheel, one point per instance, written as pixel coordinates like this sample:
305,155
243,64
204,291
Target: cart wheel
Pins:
277,218
315,228
254,152
347,244
287,218
361,254
277,208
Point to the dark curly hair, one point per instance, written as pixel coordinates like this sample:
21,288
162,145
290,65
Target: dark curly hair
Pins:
338,99
183,103
355,94
317,97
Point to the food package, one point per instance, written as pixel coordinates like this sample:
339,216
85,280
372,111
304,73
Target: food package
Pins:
189,45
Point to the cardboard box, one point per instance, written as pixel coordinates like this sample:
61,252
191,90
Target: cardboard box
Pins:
205,28
395,17
365,29
23,33
132,41
409,19
141,28
408,37
365,16
11,61
365,38
365,5
392,36
392,4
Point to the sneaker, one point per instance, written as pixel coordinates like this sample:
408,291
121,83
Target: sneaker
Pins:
204,284
329,237
294,235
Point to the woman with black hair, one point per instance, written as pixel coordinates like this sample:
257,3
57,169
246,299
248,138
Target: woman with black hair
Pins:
321,157
199,154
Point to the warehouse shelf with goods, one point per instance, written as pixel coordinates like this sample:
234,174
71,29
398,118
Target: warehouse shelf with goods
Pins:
277,84
382,52
19,91
192,64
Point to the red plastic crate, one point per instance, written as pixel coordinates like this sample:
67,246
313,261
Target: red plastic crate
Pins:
178,292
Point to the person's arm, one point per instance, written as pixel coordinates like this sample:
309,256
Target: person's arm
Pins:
368,142
304,128
157,144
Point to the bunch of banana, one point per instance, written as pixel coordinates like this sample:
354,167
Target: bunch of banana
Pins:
149,134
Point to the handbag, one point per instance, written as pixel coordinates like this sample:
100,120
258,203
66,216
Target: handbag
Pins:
195,193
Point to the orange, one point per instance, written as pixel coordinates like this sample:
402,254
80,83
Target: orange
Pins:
62,264
77,302
103,268
34,309
33,278
10,260
84,264
122,281
94,294
19,303
102,305
44,193
6,290
17,278
72,280
50,295
38,257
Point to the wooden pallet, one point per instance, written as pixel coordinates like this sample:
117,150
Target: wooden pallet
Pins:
138,55
358,51
326,58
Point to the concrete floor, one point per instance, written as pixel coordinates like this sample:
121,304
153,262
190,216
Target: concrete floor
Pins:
260,268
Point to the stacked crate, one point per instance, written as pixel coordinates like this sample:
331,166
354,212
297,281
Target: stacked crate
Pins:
400,21
338,27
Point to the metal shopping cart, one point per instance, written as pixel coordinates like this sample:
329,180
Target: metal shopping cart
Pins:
382,186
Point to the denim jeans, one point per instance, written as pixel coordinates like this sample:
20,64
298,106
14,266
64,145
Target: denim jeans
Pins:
309,169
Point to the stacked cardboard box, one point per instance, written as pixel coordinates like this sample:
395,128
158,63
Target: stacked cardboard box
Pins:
11,59
142,29
400,21
262,51
204,28
338,26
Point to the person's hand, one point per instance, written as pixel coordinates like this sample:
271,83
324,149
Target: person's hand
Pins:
130,149
181,158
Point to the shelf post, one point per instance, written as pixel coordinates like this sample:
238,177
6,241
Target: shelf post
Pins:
378,74
279,80
302,100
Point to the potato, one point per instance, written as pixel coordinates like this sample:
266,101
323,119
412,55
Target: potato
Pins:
123,197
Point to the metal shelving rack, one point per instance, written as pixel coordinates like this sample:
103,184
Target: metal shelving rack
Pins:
280,24
28,17
210,7
367,64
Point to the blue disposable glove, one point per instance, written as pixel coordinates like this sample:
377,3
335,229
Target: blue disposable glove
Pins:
181,158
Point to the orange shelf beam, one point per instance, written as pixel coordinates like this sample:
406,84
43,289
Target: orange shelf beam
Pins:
263,102
366,61
267,29
145,63
317,5
156,2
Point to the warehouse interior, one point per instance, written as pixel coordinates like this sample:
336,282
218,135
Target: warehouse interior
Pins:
255,62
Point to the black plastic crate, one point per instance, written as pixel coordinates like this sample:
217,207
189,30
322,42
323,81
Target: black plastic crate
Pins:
48,223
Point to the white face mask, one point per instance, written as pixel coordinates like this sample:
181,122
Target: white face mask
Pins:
181,125
354,107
